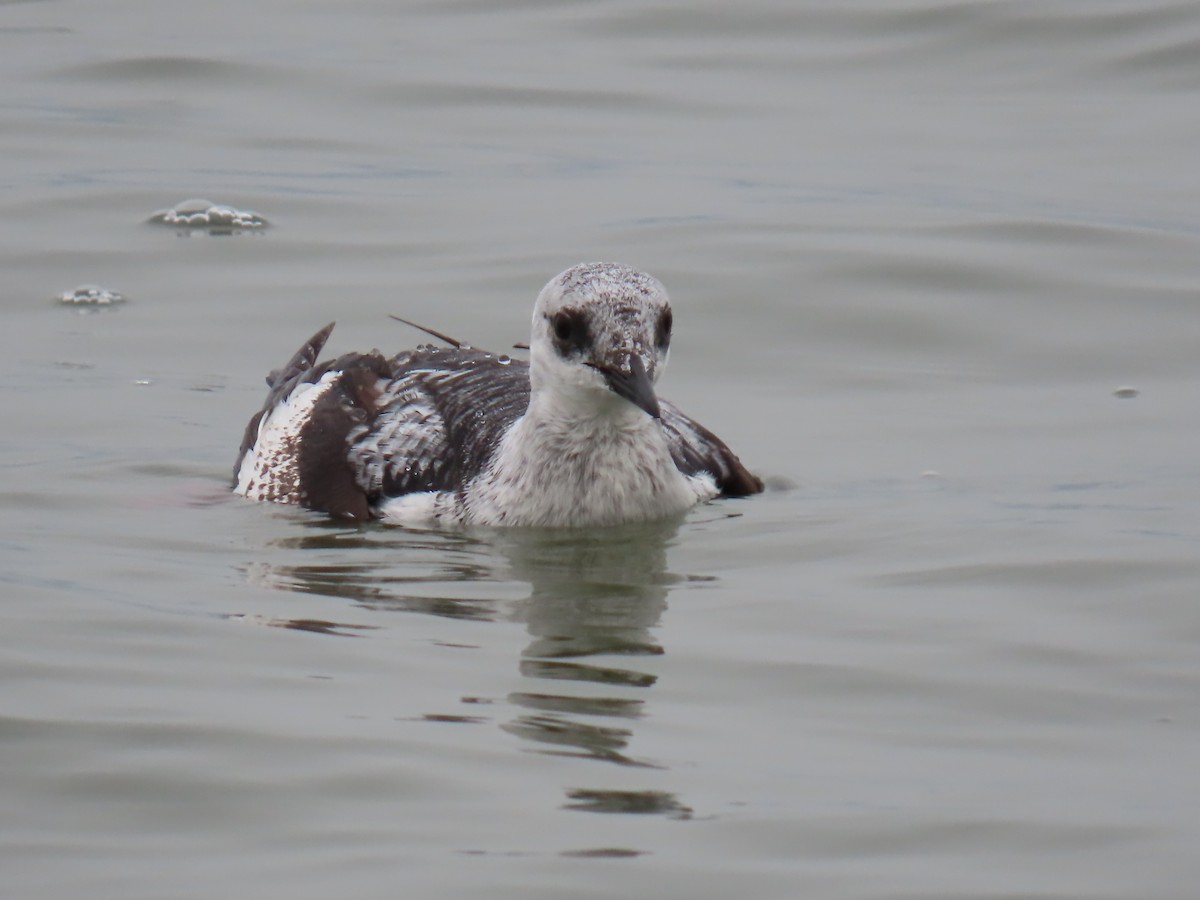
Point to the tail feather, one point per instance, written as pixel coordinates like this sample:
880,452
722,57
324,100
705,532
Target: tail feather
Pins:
281,382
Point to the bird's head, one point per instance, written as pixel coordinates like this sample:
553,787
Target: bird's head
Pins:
601,334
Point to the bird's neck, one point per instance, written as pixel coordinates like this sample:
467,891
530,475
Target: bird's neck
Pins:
584,410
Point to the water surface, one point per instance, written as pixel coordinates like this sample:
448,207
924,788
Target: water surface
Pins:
934,271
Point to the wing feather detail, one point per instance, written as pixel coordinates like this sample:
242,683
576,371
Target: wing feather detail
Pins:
440,414
282,382
696,450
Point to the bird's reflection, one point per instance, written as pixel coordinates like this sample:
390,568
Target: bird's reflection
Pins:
597,594
373,581
594,599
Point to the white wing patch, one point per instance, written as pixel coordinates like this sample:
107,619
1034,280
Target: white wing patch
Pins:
270,469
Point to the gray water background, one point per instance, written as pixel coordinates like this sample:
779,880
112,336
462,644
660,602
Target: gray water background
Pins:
914,248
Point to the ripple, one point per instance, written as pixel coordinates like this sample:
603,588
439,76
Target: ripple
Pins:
315,626
573,671
560,736
603,853
156,69
637,802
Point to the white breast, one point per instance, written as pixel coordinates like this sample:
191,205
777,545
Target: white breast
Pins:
581,473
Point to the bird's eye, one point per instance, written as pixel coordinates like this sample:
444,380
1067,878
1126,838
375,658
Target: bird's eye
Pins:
662,335
570,330
564,326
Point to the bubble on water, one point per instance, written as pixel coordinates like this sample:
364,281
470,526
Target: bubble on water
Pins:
90,295
504,359
216,218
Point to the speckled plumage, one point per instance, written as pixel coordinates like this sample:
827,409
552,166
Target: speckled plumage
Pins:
576,437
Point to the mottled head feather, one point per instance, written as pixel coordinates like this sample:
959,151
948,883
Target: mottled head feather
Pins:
601,330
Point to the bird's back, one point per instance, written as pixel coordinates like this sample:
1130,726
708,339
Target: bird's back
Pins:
341,435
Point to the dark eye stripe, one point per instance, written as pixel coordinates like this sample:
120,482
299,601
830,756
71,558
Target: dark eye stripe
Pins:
662,335
570,330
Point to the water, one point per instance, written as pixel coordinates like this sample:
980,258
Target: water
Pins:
916,252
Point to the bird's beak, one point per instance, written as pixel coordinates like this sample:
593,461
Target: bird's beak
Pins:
632,384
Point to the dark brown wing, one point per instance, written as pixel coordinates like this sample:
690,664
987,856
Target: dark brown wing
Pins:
696,450
294,448
342,435
281,382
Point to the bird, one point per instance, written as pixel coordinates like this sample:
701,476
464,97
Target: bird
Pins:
456,436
